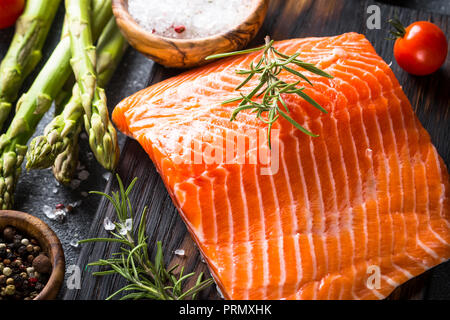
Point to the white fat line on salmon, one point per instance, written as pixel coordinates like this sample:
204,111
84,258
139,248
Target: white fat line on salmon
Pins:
246,147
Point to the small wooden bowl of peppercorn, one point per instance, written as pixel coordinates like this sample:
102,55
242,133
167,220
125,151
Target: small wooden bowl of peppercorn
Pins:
32,260
186,53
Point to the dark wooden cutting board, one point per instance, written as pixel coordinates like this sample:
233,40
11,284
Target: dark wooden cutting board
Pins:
286,19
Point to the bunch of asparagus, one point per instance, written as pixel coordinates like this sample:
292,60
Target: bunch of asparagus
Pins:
25,51
92,67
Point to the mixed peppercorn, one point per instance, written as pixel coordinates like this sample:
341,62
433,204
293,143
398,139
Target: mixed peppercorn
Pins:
24,268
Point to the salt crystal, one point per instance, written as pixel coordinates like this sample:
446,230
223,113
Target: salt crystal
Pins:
179,252
55,190
60,215
74,184
48,211
129,224
84,193
106,176
83,175
369,153
74,243
197,18
126,227
75,204
108,224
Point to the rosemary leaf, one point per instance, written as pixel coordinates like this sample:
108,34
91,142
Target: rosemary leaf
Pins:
270,87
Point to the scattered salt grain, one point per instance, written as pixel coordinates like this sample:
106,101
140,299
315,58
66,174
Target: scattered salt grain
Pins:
55,190
369,153
74,243
108,224
60,215
84,194
48,211
129,224
106,176
126,227
75,204
83,175
179,252
189,19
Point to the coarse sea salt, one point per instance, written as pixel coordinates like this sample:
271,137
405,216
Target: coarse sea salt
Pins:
188,19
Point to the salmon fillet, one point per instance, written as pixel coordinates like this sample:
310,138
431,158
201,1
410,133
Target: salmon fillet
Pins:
351,214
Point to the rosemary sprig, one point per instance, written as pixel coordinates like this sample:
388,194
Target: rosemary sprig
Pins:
147,280
270,87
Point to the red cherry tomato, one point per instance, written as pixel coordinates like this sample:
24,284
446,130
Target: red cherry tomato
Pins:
422,49
10,10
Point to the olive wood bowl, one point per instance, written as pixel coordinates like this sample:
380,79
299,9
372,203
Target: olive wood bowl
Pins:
49,243
186,53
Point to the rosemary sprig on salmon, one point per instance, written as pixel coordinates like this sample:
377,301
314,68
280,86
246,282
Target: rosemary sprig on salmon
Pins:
270,87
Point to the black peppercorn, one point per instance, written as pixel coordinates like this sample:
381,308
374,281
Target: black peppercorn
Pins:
22,250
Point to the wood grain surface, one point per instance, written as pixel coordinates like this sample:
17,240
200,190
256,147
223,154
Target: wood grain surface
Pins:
186,53
285,19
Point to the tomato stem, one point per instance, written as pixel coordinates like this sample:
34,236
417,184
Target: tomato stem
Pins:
399,31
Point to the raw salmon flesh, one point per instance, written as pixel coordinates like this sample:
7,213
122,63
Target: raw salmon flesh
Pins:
350,214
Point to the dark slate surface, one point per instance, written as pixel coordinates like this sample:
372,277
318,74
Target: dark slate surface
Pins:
38,188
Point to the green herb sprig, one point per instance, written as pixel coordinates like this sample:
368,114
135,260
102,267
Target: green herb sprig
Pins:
270,87
147,280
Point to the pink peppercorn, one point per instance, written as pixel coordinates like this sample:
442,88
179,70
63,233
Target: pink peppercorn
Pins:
179,29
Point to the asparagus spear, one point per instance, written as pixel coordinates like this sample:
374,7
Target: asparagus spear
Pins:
83,50
102,134
66,163
32,106
111,47
25,51
61,131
